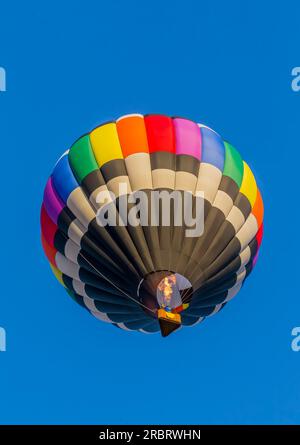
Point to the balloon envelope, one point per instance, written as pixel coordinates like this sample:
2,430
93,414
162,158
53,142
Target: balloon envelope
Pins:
125,273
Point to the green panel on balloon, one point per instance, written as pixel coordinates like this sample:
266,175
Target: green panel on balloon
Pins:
81,158
233,166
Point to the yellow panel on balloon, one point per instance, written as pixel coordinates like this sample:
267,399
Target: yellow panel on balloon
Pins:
105,143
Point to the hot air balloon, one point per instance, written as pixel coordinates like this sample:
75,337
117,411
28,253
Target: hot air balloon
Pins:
145,276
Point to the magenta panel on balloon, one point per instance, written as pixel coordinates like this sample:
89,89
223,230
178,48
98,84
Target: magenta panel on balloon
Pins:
188,138
52,202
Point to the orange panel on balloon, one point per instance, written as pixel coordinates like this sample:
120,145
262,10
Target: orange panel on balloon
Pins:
132,135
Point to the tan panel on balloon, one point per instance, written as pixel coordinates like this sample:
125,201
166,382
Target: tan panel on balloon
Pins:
79,288
95,197
241,275
90,304
138,167
185,181
223,202
101,316
80,206
72,251
67,267
245,256
236,218
209,179
76,231
119,186
163,178
248,231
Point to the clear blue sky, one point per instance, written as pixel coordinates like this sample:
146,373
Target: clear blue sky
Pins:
71,65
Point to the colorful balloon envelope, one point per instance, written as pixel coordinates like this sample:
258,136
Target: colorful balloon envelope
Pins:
136,271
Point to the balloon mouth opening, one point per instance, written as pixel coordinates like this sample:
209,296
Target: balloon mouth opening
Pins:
165,290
